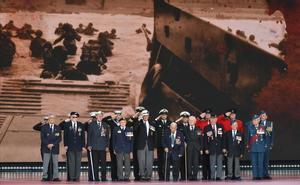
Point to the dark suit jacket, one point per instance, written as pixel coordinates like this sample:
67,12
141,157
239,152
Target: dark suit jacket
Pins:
234,146
75,141
122,140
49,137
142,138
178,149
213,143
161,129
98,137
112,123
194,139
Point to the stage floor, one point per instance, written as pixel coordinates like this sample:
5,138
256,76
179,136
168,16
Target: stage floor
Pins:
280,177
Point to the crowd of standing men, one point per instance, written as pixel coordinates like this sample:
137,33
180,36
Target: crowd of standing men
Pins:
184,144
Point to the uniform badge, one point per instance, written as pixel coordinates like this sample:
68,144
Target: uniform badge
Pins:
119,132
129,134
56,134
209,133
178,142
199,133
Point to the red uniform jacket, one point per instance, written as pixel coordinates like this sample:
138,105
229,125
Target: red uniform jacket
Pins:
226,123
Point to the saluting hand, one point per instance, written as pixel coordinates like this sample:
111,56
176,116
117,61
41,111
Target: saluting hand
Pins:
166,150
89,148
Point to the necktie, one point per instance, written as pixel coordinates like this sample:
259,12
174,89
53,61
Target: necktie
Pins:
233,135
52,127
215,127
147,127
172,140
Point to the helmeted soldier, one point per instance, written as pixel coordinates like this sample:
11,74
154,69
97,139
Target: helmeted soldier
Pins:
90,30
7,50
36,45
69,37
80,28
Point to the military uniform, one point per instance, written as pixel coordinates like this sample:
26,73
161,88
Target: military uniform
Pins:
98,142
69,37
123,146
269,144
36,45
256,139
50,134
7,50
182,126
174,142
161,126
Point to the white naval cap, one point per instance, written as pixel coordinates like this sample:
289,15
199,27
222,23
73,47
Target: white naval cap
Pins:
185,113
145,113
163,111
118,112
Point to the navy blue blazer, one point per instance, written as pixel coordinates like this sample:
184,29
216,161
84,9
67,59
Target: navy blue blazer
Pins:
234,145
214,142
178,149
74,140
49,137
98,136
122,140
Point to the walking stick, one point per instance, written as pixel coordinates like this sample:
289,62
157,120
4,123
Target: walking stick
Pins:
166,166
92,165
50,166
185,162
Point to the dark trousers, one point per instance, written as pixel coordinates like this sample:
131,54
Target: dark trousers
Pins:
205,167
266,163
183,163
135,164
90,175
113,165
193,164
74,164
175,162
257,164
99,159
160,164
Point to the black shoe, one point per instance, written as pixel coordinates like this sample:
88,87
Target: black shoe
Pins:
56,180
218,179
45,179
203,178
126,180
237,178
267,178
104,180
256,178
228,178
